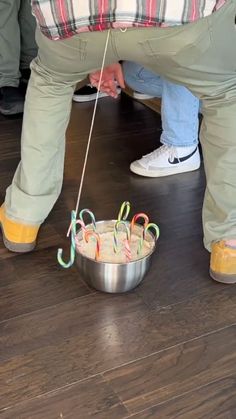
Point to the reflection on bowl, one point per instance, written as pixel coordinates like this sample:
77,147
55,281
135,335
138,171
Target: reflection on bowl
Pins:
114,277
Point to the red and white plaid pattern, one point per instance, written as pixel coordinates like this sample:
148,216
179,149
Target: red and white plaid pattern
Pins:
60,19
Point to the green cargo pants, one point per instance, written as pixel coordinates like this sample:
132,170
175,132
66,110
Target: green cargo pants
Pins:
201,56
17,40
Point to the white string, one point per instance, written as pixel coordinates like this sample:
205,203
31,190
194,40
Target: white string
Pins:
92,124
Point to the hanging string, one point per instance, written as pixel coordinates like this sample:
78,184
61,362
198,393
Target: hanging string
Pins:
92,124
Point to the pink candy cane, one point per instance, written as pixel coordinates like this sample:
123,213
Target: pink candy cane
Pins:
127,240
90,233
136,217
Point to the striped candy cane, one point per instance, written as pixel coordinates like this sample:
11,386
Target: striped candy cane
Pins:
143,216
157,231
83,227
72,247
81,223
127,240
124,211
90,233
136,217
91,214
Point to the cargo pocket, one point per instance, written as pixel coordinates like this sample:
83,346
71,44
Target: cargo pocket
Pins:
180,46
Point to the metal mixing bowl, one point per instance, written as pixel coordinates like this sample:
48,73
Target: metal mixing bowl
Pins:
114,277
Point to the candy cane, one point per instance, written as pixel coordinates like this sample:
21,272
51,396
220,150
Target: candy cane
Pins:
124,211
127,241
146,221
148,226
91,214
83,227
72,247
136,217
90,233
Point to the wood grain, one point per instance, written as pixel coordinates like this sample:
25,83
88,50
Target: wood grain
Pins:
214,401
165,350
176,371
92,398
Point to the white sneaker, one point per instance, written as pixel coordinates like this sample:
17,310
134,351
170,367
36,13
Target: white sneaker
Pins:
167,160
141,96
88,93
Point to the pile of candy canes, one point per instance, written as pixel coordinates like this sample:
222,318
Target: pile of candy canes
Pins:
89,232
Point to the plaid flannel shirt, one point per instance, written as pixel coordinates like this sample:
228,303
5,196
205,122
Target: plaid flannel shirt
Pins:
59,19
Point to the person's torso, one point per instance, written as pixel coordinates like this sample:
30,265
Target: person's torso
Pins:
65,18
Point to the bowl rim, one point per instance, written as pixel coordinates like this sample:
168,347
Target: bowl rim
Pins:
116,263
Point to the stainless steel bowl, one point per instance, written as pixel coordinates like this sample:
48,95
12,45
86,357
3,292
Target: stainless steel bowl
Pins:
114,277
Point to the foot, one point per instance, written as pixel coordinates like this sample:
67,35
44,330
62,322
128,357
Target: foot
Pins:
88,93
17,237
12,101
167,160
141,96
223,261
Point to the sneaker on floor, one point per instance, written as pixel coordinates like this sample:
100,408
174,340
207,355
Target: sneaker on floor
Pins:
167,160
88,93
141,96
223,263
12,101
17,237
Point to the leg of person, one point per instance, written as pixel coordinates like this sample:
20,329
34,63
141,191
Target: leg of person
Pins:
179,113
38,178
144,83
28,44
202,57
12,101
216,70
219,211
142,80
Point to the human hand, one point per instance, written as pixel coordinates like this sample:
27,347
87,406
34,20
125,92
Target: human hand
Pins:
111,77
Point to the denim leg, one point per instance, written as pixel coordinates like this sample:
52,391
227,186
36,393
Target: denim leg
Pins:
142,80
179,110
179,114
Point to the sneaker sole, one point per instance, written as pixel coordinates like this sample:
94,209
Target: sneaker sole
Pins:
141,96
90,98
17,247
223,278
165,172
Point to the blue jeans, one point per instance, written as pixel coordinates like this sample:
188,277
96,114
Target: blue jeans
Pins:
179,108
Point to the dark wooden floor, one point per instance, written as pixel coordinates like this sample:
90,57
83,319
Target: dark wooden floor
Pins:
166,350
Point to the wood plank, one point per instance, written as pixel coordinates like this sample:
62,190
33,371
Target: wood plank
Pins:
89,399
176,371
180,270
54,335
42,284
45,350
80,338
214,401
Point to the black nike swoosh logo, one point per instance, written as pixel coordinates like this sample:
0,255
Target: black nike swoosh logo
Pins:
181,159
